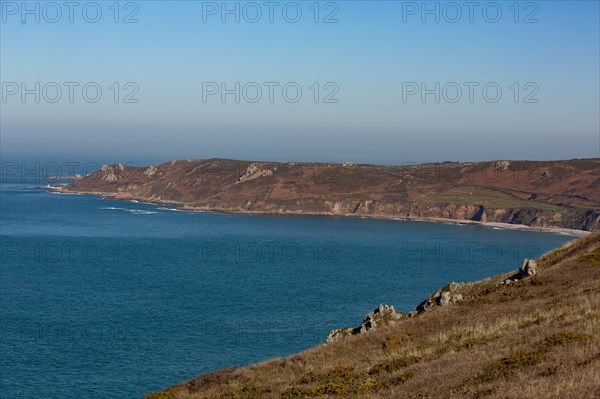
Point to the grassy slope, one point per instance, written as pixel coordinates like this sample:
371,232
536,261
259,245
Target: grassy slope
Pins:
537,338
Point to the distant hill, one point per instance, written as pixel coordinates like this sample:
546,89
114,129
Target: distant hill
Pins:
535,336
549,194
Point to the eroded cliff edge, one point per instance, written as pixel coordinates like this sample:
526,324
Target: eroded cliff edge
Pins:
549,194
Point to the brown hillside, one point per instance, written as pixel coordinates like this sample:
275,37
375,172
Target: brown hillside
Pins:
564,194
535,338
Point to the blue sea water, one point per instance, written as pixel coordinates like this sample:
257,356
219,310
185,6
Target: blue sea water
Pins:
112,299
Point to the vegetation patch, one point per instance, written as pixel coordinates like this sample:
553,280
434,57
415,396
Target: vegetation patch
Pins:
344,381
506,366
590,360
474,341
338,374
535,280
566,337
571,249
592,259
341,381
483,297
247,392
393,365
402,378
397,341
483,393
170,393
530,323
591,288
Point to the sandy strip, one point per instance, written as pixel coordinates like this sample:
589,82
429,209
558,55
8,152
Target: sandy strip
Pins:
184,207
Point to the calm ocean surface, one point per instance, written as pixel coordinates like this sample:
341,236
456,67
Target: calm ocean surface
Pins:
111,299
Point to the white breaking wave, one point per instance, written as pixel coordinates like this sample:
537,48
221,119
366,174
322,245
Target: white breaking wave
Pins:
132,211
140,212
59,193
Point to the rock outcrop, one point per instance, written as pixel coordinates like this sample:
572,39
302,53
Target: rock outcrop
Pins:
254,172
386,314
448,295
527,269
112,173
382,315
151,171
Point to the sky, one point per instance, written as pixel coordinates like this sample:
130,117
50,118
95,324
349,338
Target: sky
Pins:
384,82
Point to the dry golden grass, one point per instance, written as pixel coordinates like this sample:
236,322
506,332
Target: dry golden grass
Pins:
537,338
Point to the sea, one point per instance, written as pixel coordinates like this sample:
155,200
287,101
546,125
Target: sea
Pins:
110,299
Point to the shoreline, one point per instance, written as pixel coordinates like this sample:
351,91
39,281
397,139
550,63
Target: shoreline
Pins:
390,328
185,207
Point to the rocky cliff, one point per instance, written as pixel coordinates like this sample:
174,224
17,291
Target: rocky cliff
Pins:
562,194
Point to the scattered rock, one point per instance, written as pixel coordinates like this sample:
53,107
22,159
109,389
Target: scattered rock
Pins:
339,333
115,167
446,296
112,172
527,269
385,314
382,315
150,171
502,165
254,172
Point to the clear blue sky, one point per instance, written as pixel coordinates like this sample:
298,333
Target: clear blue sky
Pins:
373,54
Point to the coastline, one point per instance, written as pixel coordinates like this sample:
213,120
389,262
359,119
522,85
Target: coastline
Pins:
380,325
185,207
428,339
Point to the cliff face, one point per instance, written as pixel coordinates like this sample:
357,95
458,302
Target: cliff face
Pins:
562,194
